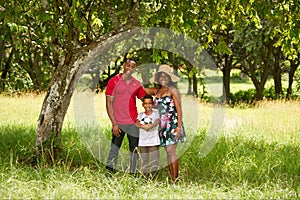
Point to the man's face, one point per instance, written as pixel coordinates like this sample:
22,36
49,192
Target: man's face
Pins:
129,67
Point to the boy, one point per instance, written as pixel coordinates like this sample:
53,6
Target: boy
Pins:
149,141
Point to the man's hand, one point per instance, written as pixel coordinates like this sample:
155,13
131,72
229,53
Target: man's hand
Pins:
116,131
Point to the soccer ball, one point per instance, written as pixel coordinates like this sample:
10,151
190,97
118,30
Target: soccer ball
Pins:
147,120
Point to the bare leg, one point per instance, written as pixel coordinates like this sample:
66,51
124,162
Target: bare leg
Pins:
173,164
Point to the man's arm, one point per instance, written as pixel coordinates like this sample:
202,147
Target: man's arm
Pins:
138,123
109,109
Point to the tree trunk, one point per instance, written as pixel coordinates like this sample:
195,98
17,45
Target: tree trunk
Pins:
189,85
195,85
53,111
6,69
277,73
259,95
226,76
259,85
277,82
34,70
58,97
294,65
264,71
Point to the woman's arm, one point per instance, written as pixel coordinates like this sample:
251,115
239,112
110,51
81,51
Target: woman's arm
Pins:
156,122
151,91
177,101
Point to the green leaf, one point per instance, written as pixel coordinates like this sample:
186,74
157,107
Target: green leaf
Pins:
164,54
222,48
97,21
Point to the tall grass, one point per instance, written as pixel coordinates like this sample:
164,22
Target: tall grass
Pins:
257,157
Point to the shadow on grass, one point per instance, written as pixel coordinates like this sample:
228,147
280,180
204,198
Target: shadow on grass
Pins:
17,146
235,161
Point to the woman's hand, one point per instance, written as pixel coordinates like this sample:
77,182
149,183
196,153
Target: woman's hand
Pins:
177,133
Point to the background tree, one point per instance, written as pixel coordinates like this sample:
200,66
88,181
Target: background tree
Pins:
289,38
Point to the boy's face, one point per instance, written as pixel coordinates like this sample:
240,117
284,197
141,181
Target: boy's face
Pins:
147,104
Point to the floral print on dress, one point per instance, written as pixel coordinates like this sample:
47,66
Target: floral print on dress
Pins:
168,121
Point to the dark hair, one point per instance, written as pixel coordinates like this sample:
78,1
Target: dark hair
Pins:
147,96
131,59
127,59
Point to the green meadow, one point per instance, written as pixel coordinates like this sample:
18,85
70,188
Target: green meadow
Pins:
256,156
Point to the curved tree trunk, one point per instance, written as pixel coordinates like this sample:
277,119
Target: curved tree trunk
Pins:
58,97
54,108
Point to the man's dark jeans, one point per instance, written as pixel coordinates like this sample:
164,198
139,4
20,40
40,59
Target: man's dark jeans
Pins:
133,138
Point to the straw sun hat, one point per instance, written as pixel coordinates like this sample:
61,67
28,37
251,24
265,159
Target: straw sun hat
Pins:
166,69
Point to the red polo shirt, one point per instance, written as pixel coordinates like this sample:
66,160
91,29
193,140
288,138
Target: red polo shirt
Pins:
124,102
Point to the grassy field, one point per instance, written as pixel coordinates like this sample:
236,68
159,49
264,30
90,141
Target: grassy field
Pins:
256,157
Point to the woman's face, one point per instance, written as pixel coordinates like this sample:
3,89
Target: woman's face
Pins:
164,79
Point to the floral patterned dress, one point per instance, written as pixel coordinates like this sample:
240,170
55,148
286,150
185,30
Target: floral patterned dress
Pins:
168,121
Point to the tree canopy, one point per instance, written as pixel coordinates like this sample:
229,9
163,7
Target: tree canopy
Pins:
257,37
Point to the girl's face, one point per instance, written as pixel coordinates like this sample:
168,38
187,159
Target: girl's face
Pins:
164,79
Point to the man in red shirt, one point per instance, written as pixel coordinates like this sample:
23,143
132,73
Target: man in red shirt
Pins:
121,93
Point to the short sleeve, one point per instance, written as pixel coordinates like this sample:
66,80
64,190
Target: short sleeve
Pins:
141,92
139,117
111,86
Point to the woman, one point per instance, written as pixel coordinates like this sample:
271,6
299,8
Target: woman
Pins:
167,101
